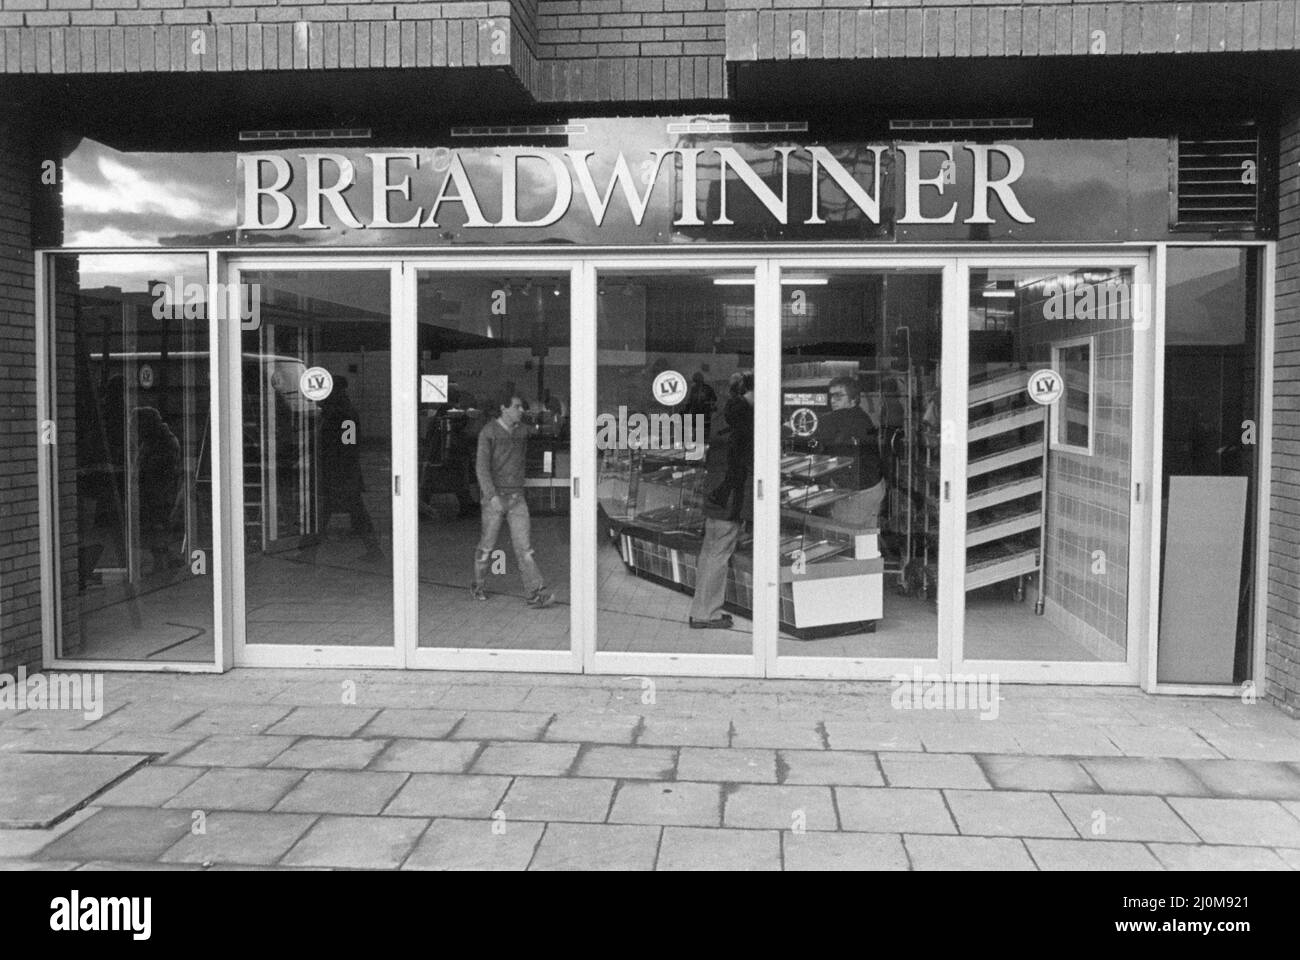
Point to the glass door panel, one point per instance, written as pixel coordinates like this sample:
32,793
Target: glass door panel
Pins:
1049,433
859,463
317,451
492,434
675,459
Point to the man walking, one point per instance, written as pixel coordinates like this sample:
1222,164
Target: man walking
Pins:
502,444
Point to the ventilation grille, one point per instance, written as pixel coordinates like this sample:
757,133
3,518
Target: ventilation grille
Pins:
1218,180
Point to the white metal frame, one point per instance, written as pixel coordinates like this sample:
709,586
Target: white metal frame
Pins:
1058,410
584,262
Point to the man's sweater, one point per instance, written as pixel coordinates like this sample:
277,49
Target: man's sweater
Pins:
500,464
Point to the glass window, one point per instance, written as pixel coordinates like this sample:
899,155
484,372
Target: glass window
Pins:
132,458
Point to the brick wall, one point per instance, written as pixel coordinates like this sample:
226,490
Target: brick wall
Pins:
20,600
1282,674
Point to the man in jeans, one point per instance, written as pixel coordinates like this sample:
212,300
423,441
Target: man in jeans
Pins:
502,444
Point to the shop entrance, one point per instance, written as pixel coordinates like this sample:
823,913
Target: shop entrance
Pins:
804,466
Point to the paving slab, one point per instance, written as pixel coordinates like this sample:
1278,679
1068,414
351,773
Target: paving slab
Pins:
780,807
149,716
570,799
831,767
1202,858
1247,778
24,844
329,753
1086,855
121,833
955,770
242,750
734,765
819,852
427,756
1246,743
893,810
670,804
596,846
527,759
166,746
150,786
1138,741
593,728
501,725
684,731
358,792
871,736
1006,813
413,724
929,852
1036,773
240,838
627,763
768,733
235,718
1115,816
475,845
364,843
1248,823
707,848
975,736
1143,775
449,795
496,696
236,788
36,789
335,721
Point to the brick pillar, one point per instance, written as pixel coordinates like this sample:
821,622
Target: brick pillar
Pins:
20,584
1282,674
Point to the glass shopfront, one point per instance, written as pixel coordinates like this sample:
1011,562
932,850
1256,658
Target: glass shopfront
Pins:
850,459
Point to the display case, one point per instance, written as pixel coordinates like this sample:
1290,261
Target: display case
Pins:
651,503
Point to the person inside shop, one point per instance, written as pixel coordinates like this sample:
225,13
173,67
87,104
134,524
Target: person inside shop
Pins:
848,431
726,505
701,400
340,469
159,457
502,450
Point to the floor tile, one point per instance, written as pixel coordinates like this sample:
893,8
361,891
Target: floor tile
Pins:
1143,775
819,852
596,846
593,728
684,731
933,770
501,725
150,786
475,845
893,810
571,799
1085,855
358,792
251,838
412,724
1202,858
427,756
319,753
726,766
678,804
121,833
1036,773
448,795
627,763
527,759
1116,816
1007,813
236,788
929,852
706,848
224,750
780,807
335,721
766,733
366,843
1250,823
1247,778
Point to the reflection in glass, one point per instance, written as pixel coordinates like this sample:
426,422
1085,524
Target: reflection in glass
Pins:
133,458
860,464
318,459
1047,530
493,435
674,433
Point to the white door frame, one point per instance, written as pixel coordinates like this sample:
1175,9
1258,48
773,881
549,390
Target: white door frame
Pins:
581,438
1124,672
309,655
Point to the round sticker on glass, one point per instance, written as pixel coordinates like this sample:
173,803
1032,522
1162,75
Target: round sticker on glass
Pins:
1045,387
146,376
670,388
316,383
803,422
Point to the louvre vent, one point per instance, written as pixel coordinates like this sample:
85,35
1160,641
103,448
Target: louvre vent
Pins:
1218,179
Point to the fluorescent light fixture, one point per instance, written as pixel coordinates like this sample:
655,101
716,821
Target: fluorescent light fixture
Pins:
1007,294
354,133
522,130
727,126
785,281
963,123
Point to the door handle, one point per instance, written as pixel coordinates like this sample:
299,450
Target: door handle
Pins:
577,487
947,492
397,485
758,495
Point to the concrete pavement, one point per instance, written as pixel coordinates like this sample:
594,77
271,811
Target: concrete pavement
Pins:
384,770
